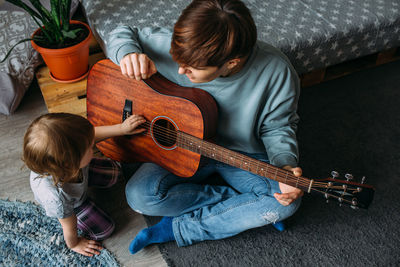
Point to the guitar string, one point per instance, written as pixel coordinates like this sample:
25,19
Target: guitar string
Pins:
171,136
305,184
175,134
270,171
328,194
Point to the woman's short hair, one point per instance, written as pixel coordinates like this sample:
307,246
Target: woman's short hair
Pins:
212,32
55,143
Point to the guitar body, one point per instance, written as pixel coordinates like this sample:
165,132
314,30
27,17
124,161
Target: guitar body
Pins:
162,103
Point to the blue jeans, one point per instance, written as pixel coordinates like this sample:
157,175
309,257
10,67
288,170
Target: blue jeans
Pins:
207,212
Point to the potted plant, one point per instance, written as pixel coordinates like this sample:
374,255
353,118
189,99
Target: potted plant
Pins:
62,43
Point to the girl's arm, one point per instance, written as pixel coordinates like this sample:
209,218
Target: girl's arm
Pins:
77,243
128,127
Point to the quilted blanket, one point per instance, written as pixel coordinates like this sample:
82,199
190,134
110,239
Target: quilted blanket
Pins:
314,34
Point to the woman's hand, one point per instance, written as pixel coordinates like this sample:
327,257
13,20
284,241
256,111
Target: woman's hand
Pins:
129,126
87,247
137,66
289,193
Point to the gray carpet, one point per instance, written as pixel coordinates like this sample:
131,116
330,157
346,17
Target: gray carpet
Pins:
350,125
30,238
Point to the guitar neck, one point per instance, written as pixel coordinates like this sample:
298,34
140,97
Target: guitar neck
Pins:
241,161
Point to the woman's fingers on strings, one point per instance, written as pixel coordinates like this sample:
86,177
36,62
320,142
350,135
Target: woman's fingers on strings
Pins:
297,171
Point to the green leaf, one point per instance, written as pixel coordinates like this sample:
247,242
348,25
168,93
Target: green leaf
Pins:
72,33
54,23
9,51
55,11
43,12
65,13
22,5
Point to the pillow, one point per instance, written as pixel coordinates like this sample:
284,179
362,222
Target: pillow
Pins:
17,72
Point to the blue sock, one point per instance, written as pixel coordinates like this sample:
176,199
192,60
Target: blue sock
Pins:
280,226
159,233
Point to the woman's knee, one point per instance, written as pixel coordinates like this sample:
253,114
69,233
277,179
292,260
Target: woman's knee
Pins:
278,212
136,194
142,190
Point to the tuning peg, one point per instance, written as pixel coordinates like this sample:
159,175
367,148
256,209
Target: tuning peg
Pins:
348,176
363,179
334,174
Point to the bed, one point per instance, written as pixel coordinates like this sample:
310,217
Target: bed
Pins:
314,34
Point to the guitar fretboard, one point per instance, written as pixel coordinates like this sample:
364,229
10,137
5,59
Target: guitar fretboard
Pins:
241,161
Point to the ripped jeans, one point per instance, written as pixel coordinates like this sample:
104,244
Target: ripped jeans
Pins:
207,212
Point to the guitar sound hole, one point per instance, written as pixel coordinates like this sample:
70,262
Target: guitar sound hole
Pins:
164,132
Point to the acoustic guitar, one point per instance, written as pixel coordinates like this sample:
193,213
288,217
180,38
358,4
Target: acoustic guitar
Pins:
180,120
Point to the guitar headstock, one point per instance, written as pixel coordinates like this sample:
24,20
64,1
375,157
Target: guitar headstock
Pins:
356,195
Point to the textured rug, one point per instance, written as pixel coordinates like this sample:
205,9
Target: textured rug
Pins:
29,238
349,125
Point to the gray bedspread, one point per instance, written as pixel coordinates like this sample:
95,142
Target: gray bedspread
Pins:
314,34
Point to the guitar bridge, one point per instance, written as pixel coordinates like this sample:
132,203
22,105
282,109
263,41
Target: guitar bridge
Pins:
127,110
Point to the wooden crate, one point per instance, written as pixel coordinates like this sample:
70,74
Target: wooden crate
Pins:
65,97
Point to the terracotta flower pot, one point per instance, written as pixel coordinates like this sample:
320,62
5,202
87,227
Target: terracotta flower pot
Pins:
67,64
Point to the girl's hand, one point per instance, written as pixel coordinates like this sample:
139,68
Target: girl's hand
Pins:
289,193
87,247
129,126
137,66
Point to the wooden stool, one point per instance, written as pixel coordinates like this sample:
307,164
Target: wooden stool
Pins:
65,97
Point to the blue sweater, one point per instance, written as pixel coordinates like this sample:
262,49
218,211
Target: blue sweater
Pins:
257,106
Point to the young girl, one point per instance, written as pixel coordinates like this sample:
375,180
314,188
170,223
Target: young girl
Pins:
58,150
